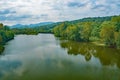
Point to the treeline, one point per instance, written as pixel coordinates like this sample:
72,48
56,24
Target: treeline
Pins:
35,30
5,35
28,31
102,29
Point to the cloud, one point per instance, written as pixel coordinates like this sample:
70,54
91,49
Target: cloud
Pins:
35,11
6,11
98,6
14,18
75,4
103,8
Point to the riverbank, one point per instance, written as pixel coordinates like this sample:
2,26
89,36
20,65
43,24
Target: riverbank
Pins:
1,48
98,43
5,35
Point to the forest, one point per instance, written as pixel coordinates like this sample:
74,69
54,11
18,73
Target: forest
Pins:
104,30
35,30
5,35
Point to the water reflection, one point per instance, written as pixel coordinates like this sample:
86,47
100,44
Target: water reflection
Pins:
8,67
107,56
42,57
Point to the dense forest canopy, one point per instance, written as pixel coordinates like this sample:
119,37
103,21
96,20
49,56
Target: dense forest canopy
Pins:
103,29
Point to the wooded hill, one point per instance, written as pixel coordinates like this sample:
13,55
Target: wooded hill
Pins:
105,30
102,29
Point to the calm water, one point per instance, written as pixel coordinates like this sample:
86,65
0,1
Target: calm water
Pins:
42,57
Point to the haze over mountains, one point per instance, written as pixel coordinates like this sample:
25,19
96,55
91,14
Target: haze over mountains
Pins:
30,25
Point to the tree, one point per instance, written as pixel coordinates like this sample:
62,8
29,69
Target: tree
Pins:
106,29
1,40
86,30
95,33
73,33
107,33
6,28
117,39
116,20
1,26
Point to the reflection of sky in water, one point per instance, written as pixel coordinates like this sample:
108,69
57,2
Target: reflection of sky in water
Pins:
8,67
35,57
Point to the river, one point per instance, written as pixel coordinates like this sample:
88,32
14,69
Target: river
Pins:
44,57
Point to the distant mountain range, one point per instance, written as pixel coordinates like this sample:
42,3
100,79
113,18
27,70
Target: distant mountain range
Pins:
30,25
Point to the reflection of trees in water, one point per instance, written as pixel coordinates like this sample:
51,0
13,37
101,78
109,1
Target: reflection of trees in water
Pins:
76,48
107,56
88,56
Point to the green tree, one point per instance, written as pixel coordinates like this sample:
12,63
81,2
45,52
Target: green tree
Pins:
116,20
107,33
86,30
1,40
1,26
117,39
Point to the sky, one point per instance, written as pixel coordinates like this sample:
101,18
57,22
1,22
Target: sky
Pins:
36,11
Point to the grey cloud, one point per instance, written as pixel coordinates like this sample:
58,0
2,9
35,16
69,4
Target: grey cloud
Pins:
102,8
76,4
99,6
44,15
6,11
14,18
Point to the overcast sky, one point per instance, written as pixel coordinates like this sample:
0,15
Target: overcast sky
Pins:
35,11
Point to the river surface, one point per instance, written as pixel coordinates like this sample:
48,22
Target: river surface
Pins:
44,57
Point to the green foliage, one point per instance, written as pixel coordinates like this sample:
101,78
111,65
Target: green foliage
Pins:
95,31
25,31
72,33
117,39
107,33
116,20
1,26
86,31
5,35
105,29
1,40
35,30
1,49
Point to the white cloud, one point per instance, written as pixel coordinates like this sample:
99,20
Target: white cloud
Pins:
55,10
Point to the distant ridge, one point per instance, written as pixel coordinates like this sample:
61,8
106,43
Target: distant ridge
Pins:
20,26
